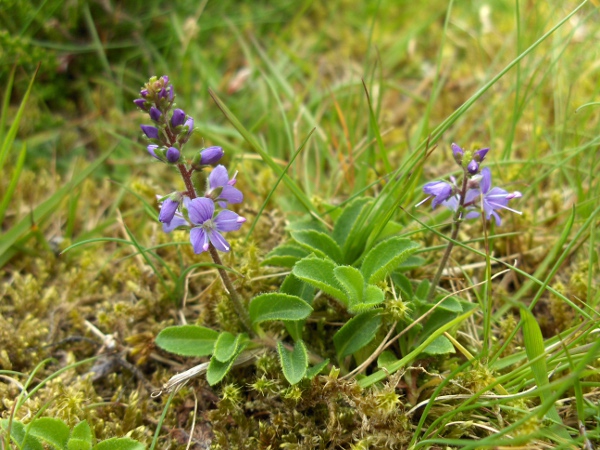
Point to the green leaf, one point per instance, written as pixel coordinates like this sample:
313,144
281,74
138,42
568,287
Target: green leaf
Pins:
293,285
217,370
319,243
385,257
440,346
187,340
412,262
19,435
53,431
352,282
386,358
404,284
318,272
119,444
81,437
422,290
285,255
372,296
347,220
357,332
227,346
277,306
536,353
293,362
316,370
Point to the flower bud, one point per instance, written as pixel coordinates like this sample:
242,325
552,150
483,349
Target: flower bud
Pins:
211,155
458,153
190,124
473,167
479,155
150,131
169,207
140,103
152,150
155,113
178,117
173,155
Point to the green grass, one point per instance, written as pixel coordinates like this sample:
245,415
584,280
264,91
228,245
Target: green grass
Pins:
343,99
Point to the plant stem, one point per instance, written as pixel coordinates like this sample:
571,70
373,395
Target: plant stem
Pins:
187,179
233,295
456,221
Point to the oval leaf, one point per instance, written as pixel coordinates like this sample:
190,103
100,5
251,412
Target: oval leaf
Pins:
440,346
372,296
217,370
385,257
187,340
276,306
318,272
227,346
357,332
352,282
347,221
285,255
53,431
293,362
119,444
320,243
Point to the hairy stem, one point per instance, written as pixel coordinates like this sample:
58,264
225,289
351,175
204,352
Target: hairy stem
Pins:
233,295
456,221
187,179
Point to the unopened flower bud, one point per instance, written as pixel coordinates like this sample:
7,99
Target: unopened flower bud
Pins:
169,207
190,124
152,150
211,155
479,155
473,167
150,131
178,117
140,103
155,113
173,155
458,153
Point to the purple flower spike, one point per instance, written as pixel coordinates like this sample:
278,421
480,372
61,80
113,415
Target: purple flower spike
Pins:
219,178
150,131
173,155
479,155
152,150
211,155
440,189
208,230
473,167
140,103
178,117
155,113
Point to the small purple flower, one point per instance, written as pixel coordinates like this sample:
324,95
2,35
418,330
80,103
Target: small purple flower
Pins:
178,117
173,155
155,113
220,187
152,150
150,131
144,93
140,103
440,189
207,230
211,155
495,198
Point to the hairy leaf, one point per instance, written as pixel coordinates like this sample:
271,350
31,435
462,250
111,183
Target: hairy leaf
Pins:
277,306
187,340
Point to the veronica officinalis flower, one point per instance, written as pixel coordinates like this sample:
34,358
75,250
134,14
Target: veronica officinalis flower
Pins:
208,230
220,187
